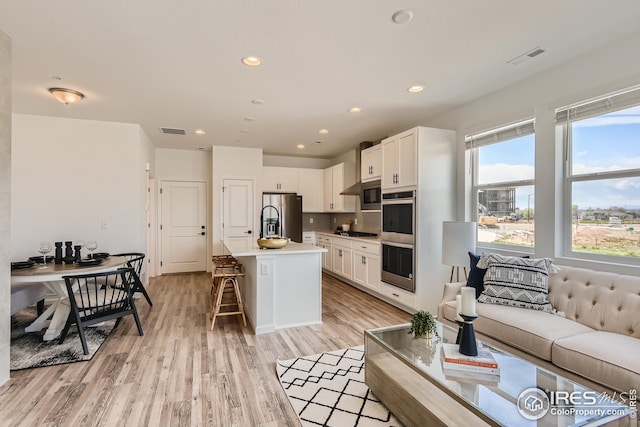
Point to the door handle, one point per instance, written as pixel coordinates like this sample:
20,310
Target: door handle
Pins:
203,233
247,232
202,226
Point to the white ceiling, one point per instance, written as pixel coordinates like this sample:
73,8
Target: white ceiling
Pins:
177,63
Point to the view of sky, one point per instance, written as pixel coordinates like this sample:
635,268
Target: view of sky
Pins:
609,142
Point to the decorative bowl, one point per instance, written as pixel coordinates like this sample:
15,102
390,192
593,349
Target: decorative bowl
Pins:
273,242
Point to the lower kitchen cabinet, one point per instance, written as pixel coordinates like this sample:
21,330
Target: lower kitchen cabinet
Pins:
366,265
341,259
398,295
325,242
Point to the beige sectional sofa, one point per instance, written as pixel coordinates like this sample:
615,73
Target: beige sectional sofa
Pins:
594,334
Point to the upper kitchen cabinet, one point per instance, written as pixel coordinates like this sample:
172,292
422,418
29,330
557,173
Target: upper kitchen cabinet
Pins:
280,180
336,179
371,162
399,160
310,188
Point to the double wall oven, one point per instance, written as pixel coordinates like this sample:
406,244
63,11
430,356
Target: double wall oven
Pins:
398,240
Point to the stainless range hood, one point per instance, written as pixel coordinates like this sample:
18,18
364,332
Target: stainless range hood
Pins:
355,189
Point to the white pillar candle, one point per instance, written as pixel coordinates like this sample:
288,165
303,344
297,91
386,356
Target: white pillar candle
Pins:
458,308
468,301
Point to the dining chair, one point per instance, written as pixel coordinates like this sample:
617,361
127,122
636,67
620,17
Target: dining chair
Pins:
135,261
93,303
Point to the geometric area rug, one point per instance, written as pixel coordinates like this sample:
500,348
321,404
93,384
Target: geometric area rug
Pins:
328,389
29,351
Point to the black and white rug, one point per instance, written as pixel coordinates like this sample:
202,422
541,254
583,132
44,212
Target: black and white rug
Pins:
29,351
328,389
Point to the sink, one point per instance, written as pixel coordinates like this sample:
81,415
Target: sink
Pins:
273,242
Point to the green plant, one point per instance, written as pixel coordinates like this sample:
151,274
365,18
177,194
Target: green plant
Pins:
423,324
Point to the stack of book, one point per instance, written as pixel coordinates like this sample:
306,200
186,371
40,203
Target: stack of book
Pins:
482,369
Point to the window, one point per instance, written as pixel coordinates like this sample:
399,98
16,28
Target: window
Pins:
503,184
602,149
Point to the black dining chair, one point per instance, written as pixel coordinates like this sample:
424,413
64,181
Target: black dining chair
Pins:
99,297
135,261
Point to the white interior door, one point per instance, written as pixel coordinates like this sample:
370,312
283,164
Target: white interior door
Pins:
238,214
183,226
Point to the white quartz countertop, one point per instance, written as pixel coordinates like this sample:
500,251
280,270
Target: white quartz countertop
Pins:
249,247
368,239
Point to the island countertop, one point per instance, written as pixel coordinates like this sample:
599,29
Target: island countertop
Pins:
248,247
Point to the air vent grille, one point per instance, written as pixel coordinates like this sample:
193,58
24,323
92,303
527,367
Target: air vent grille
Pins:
527,56
173,131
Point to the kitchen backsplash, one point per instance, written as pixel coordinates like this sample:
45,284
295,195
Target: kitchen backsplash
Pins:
367,221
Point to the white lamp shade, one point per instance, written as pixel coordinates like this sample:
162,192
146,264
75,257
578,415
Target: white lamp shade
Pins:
458,239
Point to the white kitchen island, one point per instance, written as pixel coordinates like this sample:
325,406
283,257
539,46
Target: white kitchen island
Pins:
282,288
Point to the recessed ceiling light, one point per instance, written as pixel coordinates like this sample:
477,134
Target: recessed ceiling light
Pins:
199,132
402,16
257,101
252,61
300,146
249,119
319,142
323,131
415,89
355,109
244,130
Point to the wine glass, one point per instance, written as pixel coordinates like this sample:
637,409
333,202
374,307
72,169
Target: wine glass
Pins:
92,245
44,249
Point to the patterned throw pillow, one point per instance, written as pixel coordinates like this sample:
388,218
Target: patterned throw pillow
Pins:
517,282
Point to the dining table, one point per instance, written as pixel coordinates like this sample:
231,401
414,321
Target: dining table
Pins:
51,275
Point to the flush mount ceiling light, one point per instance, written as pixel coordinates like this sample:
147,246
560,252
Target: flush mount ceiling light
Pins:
323,131
199,132
415,89
252,61
300,146
66,96
257,101
402,16
355,109
249,119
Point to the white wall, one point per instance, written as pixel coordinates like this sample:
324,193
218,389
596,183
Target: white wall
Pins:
69,175
5,203
614,67
233,163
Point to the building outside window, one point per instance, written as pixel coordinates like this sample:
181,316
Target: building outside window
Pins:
502,164
602,188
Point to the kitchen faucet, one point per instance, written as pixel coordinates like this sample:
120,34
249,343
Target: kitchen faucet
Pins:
262,220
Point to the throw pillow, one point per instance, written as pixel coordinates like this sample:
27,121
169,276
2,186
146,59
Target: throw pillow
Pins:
475,279
517,282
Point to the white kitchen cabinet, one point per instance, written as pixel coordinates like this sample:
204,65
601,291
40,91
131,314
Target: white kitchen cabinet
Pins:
366,264
310,187
325,242
342,257
397,295
281,180
371,163
309,237
400,160
335,179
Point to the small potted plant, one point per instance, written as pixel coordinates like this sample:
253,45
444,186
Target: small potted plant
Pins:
423,325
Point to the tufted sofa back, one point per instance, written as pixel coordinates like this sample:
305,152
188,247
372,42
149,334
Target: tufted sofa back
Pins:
602,301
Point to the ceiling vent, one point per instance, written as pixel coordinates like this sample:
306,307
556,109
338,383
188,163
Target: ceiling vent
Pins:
527,56
173,131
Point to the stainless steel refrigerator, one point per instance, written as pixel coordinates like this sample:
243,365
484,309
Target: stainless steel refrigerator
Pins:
281,215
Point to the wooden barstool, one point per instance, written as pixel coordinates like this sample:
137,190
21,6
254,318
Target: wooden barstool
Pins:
225,278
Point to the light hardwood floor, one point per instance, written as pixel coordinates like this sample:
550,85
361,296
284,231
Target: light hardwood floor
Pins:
180,373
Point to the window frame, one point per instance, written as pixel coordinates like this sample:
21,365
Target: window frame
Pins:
498,135
565,117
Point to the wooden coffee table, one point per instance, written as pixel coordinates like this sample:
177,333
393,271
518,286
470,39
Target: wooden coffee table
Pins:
407,376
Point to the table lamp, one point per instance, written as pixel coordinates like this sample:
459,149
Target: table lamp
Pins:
458,239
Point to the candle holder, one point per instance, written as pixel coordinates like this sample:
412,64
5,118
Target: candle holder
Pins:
459,336
468,345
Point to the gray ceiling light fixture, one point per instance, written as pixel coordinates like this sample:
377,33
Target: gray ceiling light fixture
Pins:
66,96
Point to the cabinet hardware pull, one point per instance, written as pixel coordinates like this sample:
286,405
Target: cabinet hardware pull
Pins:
395,295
